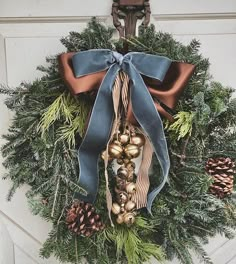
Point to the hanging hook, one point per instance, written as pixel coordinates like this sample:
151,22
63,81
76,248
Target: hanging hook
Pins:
130,11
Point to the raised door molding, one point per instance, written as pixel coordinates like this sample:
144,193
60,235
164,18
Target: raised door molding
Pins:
7,254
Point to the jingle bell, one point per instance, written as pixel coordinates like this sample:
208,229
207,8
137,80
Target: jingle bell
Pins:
130,165
126,161
131,188
120,219
122,209
115,208
123,139
130,205
122,172
129,218
132,151
115,150
130,177
122,197
120,161
138,140
120,183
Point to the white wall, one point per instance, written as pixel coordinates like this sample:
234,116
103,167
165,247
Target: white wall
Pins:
31,29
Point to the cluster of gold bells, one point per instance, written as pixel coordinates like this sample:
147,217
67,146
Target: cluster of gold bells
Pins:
124,147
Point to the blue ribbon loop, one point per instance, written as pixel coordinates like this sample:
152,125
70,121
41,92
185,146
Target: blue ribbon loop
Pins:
99,128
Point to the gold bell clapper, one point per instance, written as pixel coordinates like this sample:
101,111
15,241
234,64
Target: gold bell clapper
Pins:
124,148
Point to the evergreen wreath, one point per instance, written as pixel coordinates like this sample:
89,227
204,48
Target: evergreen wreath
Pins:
44,136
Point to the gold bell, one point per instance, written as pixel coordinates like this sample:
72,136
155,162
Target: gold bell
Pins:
132,151
131,188
130,165
120,219
115,150
123,139
130,205
115,208
120,183
126,161
122,197
120,161
138,140
130,177
122,172
129,218
122,208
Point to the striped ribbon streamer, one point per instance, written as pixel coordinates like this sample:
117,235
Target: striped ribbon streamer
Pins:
116,103
143,183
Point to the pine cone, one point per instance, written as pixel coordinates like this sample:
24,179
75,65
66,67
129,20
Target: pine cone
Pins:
82,219
222,171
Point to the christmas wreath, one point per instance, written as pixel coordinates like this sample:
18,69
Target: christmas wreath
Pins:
50,124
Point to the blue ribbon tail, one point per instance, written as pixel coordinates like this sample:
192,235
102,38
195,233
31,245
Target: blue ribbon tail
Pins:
149,119
96,137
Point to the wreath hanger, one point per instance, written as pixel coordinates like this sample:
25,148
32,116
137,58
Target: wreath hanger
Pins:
130,11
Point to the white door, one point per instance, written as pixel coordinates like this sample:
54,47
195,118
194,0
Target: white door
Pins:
34,27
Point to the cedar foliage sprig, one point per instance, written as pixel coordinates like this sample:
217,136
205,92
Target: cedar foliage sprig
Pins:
185,215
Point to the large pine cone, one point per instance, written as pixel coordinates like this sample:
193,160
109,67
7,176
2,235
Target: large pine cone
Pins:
222,171
82,219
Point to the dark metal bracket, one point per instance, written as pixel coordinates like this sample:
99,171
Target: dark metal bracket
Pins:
130,11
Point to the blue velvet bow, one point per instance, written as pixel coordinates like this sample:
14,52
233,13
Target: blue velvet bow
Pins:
134,64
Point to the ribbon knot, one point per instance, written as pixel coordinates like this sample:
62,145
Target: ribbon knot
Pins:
118,57
99,128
